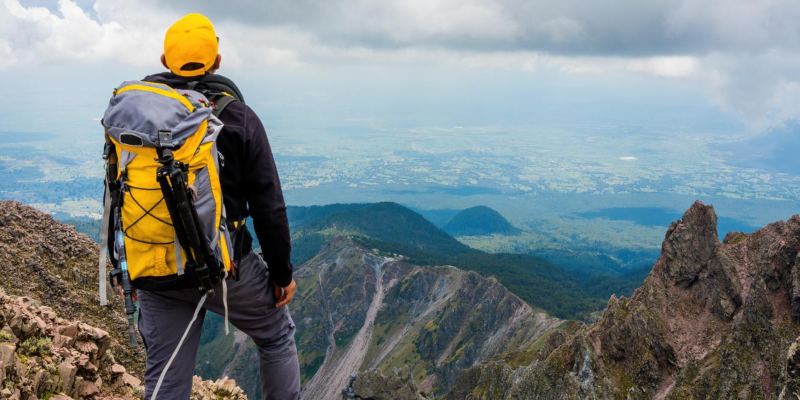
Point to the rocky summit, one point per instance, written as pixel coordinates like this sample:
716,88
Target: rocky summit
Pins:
714,320
51,341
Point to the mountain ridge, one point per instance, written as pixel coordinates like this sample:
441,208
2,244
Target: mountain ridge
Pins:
712,320
358,308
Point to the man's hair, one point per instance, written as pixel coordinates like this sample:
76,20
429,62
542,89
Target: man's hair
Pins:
192,66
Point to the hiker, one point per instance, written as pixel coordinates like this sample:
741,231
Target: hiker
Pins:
172,308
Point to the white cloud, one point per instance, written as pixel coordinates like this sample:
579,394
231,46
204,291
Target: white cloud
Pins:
763,89
745,53
34,35
681,66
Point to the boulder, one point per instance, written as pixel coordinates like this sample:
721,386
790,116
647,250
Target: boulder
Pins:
90,390
130,380
7,353
66,372
117,369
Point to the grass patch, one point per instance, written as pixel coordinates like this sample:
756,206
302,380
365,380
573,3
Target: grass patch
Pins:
36,346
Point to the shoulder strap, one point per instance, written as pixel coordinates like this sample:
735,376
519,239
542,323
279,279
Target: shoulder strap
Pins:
221,102
214,83
219,83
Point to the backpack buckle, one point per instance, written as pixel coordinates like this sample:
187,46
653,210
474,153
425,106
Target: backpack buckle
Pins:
164,139
204,280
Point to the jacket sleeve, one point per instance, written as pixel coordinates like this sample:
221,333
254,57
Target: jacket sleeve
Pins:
262,191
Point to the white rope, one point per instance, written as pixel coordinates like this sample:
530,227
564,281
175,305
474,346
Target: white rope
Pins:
225,300
177,349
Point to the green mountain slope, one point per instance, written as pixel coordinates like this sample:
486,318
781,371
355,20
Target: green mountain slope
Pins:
404,230
478,221
390,222
540,283
394,229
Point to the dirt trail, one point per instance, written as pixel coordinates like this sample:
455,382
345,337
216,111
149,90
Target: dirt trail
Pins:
335,371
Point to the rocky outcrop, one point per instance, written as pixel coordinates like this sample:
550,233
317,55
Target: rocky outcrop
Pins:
50,343
41,353
713,320
373,385
55,266
216,390
791,388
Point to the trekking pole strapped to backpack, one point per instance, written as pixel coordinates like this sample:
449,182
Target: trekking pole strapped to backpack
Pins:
163,190
120,276
178,196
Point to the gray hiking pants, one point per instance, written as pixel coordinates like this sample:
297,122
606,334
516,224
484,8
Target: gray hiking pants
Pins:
164,317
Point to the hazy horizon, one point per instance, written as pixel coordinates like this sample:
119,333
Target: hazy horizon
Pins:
527,107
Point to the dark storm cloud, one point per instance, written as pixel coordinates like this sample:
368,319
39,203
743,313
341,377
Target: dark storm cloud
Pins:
568,27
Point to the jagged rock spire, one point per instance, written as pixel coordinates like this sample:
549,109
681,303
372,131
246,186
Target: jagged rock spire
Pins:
713,320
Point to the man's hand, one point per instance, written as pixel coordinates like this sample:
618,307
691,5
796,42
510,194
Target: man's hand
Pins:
284,295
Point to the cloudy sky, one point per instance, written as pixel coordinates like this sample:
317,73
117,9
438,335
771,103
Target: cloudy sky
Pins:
708,64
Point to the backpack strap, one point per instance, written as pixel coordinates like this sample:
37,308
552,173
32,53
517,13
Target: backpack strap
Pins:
219,83
221,101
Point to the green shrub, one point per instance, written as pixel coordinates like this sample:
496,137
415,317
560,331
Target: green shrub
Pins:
36,346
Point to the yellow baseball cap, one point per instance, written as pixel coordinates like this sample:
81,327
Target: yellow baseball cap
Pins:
191,40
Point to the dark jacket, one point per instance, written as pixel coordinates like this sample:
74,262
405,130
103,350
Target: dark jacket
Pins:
250,183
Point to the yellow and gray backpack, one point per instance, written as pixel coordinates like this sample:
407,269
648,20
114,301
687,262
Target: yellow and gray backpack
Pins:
163,207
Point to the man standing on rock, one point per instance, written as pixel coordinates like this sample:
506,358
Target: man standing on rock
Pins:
250,186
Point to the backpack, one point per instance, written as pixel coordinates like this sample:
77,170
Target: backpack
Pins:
164,215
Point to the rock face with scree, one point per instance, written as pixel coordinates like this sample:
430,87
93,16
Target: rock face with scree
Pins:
713,320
